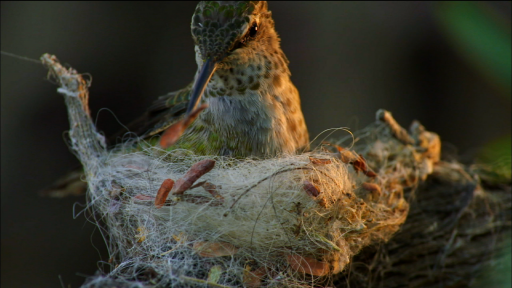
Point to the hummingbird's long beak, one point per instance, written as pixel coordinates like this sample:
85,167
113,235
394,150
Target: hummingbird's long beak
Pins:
205,74
174,132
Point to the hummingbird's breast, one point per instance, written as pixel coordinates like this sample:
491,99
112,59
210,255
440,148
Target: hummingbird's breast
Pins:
253,109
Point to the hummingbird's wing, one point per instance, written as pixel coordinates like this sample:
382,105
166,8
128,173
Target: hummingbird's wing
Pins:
164,112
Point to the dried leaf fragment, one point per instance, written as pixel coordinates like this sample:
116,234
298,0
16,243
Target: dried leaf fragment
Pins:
252,279
174,132
214,274
326,241
163,192
116,190
360,165
214,249
346,156
307,265
373,188
180,238
141,235
212,189
311,189
357,161
196,171
396,130
143,197
318,161
135,167
322,202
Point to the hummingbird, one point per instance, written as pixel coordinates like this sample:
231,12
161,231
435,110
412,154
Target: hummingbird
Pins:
253,108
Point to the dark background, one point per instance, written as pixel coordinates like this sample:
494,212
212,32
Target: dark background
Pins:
347,60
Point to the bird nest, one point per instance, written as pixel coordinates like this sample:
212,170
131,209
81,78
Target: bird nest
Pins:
172,218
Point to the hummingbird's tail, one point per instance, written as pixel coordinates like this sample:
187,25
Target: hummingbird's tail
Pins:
71,184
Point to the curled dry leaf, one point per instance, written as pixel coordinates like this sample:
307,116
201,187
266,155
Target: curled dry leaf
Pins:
214,274
174,132
212,189
373,188
214,249
252,279
196,171
311,189
346,156
318,161
180,238
307,265
398,132
142,232
402,205
163,192
322,202
198,200
116,190
360,165
357,161
142,197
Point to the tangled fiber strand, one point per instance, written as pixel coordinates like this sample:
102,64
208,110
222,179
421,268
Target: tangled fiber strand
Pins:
291,221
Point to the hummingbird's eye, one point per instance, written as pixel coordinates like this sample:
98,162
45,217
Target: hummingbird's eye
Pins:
253,30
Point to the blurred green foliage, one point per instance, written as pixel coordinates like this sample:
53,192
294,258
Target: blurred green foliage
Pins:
482,37
498,274
494,161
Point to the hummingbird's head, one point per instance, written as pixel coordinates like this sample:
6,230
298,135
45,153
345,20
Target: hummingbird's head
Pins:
219,28
226,34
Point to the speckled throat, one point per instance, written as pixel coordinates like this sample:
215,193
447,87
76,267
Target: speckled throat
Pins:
254,110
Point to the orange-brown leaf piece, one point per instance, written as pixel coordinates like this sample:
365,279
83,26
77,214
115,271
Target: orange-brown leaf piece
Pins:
357,161
373,188
143,197
163,192
360,165
318,161
214,249
346,156
252,279
212,189
307,265
142,232
397,130
174,132
311,189
195,172
322,202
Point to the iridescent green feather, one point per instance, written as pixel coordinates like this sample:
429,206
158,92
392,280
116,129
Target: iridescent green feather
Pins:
226,18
